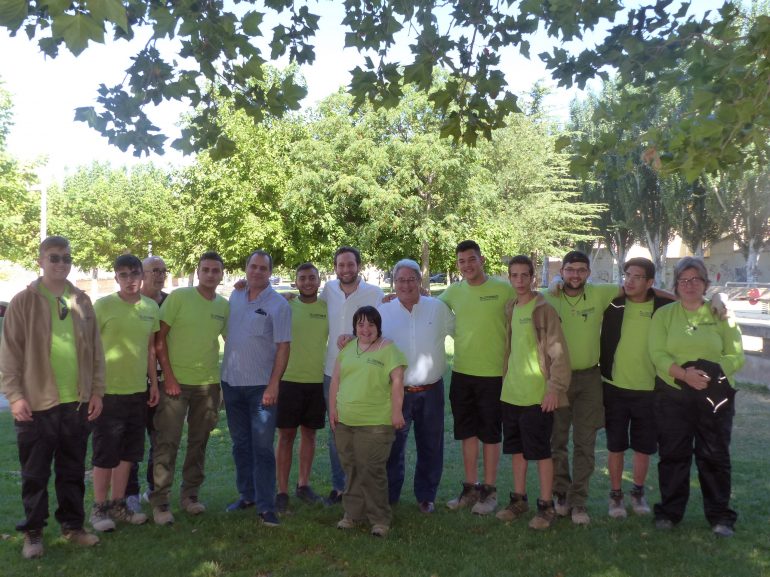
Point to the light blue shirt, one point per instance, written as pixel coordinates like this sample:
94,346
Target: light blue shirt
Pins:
254,330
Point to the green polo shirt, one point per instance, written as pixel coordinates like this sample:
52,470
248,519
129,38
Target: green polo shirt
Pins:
126,329
581,321
309,332
524,383
193,341
479,325
64,354
632,367
364,396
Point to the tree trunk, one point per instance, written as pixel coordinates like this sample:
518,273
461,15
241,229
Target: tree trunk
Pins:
191,279
752,262
94,284
425,264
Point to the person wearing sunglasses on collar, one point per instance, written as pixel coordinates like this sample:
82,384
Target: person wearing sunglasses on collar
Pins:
52,367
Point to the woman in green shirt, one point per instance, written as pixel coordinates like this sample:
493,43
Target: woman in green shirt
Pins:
365,398
694,353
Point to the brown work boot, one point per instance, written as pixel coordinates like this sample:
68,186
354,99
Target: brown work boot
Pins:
515,509
546,515
468,497
80,537
33,544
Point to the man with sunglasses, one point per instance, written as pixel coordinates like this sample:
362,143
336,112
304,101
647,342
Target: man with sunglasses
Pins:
127,322
52,368
154,274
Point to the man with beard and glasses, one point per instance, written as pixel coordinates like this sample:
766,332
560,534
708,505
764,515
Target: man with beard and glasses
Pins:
343,297
581,307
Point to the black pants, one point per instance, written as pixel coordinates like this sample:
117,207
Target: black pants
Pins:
59,436
687,426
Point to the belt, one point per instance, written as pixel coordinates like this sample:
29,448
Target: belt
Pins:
595,367
420,388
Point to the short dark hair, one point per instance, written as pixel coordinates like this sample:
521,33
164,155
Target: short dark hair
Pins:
211,255
575,256
53,242
352,250
641,262
307,266
522,259
263,253
372,315
128,261
468,245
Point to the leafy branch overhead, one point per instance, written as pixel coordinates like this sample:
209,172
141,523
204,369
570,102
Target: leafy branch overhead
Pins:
659,45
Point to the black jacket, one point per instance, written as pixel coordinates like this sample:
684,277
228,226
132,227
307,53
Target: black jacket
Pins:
612,324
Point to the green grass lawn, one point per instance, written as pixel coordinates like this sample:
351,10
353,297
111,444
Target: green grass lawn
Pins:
443,544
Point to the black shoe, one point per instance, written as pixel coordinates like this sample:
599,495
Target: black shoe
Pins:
334,498
281,502
427,507
306,494
239,505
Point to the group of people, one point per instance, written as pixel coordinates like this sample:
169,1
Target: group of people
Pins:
531,369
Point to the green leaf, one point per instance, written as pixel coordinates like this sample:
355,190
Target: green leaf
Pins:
109,10
224,148
13,13
562,142
77,30
56,7
250,23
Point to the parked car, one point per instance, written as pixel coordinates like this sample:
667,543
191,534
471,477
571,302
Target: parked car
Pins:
275,280
439,278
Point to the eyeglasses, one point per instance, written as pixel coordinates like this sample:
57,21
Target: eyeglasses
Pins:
407,280
159,271
634,277
57,258
61,304
126,275
695,281
580,271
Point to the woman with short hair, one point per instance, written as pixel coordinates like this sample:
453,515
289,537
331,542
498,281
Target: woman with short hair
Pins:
694,353
365,409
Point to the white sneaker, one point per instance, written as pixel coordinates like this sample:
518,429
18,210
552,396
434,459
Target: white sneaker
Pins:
100,517
487,501
617,507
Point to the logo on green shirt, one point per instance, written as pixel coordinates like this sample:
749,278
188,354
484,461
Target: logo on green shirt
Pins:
375,362
489,298
217,317
318,316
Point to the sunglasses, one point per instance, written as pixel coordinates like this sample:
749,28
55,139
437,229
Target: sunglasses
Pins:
61,304
159,271
57,258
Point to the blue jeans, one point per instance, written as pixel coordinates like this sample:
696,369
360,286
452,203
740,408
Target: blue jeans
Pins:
338,475
426,409
252,429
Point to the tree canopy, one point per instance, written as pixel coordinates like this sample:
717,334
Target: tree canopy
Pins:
216,53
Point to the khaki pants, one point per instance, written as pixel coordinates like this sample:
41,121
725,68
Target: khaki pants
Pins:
363,453
585,415
200,405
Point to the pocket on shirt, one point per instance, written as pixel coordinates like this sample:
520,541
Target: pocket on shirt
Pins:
257,325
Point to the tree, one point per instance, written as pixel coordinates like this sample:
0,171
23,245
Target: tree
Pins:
105,212
216,56
534,204
19,207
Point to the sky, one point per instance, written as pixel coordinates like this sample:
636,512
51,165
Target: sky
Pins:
46,91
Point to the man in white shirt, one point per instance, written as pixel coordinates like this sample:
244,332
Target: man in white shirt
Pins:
343,296
418,325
